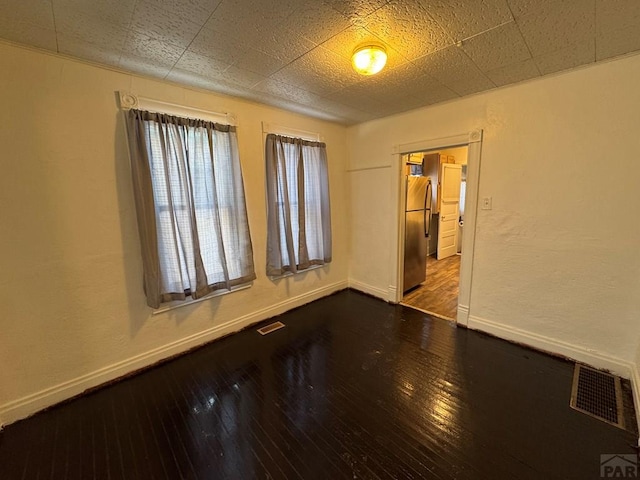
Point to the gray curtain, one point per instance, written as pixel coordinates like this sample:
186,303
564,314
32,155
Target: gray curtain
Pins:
299,212
189,195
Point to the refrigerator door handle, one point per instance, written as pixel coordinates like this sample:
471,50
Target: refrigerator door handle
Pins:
406,192
426,223
427,218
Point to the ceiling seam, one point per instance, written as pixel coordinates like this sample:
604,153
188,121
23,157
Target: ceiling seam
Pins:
453,43
595,31
129,25
535,64
445,30
193,39
55,26
316,45
486,31
460,45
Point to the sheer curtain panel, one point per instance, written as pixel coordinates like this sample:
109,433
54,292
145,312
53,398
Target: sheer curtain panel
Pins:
299,213
190,204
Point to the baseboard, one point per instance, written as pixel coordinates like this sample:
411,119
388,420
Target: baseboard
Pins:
30,404
635,387
463,315
369,289
595,359
392,293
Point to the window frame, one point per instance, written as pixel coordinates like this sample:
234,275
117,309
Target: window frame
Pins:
291,133
129,101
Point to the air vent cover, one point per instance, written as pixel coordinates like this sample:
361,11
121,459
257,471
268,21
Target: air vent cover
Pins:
272,327
597,394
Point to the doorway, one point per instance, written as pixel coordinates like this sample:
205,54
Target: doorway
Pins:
441,273
446,171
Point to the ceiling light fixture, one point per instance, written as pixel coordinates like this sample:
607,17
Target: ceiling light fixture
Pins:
369,59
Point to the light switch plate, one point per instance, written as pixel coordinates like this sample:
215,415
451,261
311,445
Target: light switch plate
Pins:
486,203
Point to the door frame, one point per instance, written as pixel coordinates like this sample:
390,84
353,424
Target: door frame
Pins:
473,140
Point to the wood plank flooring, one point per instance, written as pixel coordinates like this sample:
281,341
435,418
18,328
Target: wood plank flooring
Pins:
439,292
351,388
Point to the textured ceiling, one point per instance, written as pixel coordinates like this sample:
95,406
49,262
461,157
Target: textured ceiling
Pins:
295,54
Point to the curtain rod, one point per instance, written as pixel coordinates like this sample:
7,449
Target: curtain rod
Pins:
129,101
290,132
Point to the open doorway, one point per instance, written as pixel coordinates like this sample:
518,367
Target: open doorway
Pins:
436,249
473,141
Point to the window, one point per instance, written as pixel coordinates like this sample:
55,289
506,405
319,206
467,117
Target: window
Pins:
299,214
190,203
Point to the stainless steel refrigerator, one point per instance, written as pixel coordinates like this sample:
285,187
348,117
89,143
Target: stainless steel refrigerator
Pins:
417,222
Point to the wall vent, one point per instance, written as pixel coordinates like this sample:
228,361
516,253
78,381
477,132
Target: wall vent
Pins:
272,327
597,394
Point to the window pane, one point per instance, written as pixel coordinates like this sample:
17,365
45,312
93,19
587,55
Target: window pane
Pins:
298,172
313,202
198,197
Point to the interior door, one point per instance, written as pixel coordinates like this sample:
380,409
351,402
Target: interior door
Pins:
450,178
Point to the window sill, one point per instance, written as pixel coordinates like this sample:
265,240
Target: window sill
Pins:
186,303
291,274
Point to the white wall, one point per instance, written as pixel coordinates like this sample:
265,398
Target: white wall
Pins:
557,260
73,310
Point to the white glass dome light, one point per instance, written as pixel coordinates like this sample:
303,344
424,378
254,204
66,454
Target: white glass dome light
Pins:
369,59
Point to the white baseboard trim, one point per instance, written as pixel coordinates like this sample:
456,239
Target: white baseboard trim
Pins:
635,387
369,289
463,315
30,404
595,359
392,294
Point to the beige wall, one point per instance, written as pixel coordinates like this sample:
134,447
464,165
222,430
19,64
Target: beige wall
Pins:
557,260
73,310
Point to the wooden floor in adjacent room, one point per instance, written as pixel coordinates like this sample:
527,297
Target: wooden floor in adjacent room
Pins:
351,388
438,294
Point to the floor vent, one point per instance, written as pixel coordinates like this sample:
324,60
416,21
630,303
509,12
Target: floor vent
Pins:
597,394
272,327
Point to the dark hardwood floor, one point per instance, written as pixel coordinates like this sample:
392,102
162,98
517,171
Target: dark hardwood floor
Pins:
352,388
438,294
